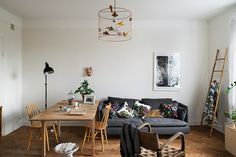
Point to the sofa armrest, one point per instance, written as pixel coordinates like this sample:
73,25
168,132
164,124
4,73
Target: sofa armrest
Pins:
182,112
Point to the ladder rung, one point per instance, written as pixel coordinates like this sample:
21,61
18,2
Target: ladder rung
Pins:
218,71
220,59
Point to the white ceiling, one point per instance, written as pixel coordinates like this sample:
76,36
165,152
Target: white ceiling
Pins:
141,9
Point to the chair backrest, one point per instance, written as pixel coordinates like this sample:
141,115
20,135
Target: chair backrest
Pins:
148,140
105,116
33,110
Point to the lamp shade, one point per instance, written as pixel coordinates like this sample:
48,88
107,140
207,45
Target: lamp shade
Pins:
48,70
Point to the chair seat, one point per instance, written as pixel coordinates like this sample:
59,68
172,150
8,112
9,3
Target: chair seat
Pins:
166,152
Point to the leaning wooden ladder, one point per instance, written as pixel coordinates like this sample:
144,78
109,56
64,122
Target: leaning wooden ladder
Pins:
221,71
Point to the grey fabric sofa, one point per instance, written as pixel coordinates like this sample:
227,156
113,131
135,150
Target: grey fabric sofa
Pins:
163,126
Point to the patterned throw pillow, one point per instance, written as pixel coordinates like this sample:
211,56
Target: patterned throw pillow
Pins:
125,112
140,109
114,108
169,110
113,114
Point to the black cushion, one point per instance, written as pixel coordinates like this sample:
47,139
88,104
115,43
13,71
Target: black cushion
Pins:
155,103
119,122
113,99
130,101
181,112
165,122
121,101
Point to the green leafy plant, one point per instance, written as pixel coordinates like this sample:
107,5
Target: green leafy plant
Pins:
231,115
232,85
84,89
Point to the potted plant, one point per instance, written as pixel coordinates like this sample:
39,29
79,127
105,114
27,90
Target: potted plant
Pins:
84,89
231,115
232,85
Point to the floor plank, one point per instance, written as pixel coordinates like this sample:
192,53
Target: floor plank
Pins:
198,144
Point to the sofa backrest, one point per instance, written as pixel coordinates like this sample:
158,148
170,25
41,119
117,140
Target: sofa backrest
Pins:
156,103
121,101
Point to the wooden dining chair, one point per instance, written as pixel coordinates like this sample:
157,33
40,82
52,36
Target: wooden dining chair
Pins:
100,127
33,110
151,145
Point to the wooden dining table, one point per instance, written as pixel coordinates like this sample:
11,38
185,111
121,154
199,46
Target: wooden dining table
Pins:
57,113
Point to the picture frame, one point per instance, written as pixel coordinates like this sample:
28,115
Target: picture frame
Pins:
166,71
89,99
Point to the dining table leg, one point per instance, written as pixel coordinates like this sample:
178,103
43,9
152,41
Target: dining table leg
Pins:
93,138
59,129
43,139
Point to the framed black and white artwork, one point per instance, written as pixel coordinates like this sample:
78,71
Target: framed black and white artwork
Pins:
166,71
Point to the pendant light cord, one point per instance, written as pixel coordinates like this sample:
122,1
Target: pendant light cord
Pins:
114,5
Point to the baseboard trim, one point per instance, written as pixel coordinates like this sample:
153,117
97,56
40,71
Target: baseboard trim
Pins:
7,132
219,128
194,122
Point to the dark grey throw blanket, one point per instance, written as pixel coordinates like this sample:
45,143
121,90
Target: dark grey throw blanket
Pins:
129,141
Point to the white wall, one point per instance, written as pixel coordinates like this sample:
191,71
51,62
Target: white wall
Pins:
12,106
123,69
219,39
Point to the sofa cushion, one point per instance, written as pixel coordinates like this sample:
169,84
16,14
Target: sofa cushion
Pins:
165,122
169,110
130,101
155,103
181,112
140,110
156,113
113,99
114,108
113,114
119,122
125,112
122,100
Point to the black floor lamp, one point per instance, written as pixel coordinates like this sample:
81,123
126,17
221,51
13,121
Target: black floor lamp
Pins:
47,70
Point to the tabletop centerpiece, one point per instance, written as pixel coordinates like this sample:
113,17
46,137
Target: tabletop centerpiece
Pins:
84,89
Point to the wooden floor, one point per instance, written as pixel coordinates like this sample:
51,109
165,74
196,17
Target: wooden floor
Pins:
198,144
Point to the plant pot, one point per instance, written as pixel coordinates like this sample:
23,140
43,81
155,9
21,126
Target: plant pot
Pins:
70,101
83,96
233,125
